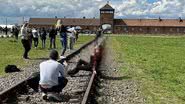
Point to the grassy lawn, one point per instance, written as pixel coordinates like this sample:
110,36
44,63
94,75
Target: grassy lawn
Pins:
157,63
11,52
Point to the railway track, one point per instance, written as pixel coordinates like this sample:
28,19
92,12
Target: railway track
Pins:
79,88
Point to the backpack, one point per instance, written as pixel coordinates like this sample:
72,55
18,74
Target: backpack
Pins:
11,68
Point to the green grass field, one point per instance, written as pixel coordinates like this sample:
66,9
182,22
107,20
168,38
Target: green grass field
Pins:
11,52
157,63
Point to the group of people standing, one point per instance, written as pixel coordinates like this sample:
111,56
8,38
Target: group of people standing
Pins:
28,34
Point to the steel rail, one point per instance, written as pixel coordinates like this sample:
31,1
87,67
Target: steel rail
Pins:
97,54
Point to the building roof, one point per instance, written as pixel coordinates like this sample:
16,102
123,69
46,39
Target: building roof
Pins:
150,22
65,21
107,7
117,22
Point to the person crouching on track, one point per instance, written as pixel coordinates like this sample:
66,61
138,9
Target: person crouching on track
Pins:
52,78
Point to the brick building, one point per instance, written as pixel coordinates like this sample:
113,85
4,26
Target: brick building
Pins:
118,26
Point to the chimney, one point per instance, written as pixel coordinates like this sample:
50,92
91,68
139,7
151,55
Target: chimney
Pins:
160,19
180,19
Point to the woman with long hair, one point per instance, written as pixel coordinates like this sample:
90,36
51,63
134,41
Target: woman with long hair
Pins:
63,35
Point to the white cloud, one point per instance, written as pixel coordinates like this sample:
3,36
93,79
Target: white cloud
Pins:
90,8
144,9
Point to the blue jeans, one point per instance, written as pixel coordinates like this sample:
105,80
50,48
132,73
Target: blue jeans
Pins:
64,45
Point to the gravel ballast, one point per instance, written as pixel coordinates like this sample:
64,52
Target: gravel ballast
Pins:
72,93
115,88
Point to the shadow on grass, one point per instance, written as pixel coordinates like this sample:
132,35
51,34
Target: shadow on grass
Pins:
13,41
115,78
39,59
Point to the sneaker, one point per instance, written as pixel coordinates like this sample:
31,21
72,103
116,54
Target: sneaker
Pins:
54,97
44,96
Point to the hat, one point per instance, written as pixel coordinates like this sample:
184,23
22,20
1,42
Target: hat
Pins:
53,55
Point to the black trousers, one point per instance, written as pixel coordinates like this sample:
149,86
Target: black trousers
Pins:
52,42
62,82
43,43
16,36
36,42
27,47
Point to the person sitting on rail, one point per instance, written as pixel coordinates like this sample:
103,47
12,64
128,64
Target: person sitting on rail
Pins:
82,65
52,77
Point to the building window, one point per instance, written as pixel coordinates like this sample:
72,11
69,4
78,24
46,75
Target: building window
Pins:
140,29
171,29
156,29
125,29
118,28
111,12
107,11
178,29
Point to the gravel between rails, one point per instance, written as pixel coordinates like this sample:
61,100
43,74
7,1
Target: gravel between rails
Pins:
11,79
72,93
115,87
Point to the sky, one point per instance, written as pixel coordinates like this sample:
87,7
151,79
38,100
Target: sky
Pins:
15,10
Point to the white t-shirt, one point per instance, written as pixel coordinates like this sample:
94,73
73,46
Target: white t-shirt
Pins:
73,31
35,33
24,34
50,70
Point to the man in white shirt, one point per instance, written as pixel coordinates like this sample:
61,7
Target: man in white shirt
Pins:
52,78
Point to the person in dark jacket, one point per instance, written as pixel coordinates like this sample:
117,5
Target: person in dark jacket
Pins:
16,33
43,37
52,36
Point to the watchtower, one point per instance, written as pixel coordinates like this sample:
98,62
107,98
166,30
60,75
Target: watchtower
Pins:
107,16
